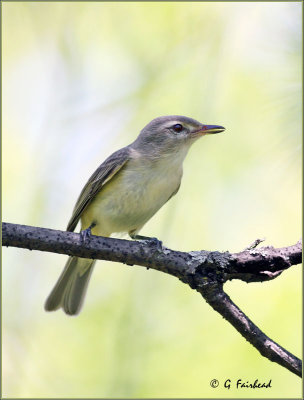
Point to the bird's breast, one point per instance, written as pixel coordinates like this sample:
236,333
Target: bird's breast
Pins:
133,196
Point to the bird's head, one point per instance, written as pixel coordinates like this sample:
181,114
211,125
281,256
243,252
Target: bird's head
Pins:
170,133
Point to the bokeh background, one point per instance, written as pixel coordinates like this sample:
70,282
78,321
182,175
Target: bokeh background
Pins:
79,81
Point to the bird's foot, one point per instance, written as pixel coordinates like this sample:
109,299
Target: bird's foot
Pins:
152,241
86,233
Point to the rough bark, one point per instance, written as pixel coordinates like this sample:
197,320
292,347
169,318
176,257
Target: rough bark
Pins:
204,271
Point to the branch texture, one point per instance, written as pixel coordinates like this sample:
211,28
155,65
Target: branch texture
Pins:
204,271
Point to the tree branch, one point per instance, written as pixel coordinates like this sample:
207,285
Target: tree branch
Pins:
204,271
221,302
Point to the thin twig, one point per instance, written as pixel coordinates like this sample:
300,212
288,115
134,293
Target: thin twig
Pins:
222,303
255,244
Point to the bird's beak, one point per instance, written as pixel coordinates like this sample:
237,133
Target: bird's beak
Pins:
209,129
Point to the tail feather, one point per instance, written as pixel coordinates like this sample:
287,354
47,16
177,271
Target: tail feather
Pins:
70,289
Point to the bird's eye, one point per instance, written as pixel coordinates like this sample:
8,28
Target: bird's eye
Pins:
177,128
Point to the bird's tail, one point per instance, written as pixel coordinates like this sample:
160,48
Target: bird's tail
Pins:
70,289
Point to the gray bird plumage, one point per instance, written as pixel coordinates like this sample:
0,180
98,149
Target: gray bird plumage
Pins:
124,192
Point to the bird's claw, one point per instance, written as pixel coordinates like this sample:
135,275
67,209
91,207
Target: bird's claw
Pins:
85,235
153,241
150,241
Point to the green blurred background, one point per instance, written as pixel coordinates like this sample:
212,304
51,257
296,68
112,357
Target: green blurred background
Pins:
79,81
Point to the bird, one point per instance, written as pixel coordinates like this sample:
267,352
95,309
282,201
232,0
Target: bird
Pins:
124,192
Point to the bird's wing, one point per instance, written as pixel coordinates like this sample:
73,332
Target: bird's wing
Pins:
102,175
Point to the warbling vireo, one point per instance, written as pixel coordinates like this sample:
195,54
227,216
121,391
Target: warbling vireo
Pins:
125,191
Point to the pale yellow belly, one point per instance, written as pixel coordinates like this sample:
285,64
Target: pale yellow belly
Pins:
129,200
